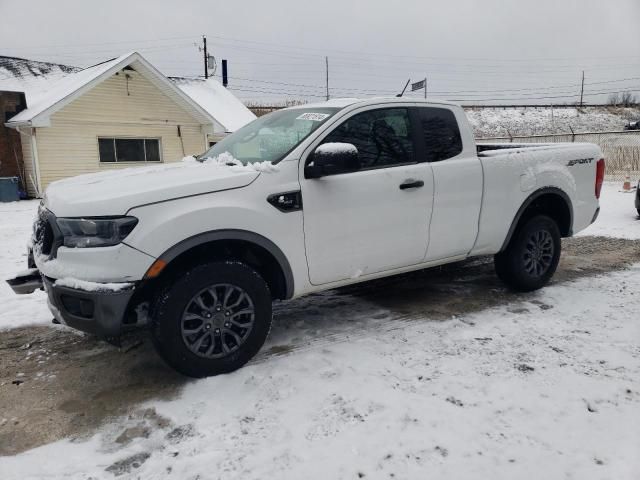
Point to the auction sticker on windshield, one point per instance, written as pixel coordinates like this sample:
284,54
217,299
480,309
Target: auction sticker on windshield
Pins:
316,117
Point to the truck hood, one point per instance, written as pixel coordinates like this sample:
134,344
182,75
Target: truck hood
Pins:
117,191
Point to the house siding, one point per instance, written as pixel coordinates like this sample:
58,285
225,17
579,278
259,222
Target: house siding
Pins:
117,107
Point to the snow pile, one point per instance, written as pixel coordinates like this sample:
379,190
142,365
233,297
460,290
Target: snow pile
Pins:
498,122
219,102
263,167
226,158
92,286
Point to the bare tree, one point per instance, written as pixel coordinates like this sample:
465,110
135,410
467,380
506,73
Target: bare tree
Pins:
628,99
623,99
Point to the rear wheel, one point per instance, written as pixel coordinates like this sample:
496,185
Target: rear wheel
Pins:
213,319
532,256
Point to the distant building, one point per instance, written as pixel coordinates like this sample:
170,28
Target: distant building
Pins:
119,113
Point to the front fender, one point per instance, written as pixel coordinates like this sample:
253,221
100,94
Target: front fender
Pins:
231,234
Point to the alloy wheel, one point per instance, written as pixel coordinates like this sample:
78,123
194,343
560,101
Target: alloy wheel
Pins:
217,320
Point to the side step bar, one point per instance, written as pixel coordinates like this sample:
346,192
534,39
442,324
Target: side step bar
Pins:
26,282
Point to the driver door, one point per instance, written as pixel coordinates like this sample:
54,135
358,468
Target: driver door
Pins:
374,219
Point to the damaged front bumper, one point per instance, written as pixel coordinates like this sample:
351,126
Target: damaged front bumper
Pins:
26,282
99,312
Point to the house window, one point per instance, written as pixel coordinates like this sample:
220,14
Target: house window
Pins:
129,150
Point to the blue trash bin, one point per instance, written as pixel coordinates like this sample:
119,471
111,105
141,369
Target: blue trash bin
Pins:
9,189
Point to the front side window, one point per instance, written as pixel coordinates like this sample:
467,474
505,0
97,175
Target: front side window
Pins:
271,137
113,150
441,133
382,137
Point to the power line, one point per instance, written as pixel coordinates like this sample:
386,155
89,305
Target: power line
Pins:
449,92
321,52
324,51
528,97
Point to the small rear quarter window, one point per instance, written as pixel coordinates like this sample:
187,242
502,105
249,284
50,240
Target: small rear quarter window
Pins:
441,133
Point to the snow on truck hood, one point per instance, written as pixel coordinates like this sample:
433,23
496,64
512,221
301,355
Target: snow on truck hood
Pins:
117,191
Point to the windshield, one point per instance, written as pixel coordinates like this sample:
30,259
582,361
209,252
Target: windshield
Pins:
270,137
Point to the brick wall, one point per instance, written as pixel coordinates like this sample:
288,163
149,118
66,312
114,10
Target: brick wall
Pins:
10,147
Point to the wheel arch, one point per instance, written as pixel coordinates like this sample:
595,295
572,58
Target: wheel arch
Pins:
256,250
550,201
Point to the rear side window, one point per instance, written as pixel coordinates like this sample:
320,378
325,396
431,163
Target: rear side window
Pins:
441,133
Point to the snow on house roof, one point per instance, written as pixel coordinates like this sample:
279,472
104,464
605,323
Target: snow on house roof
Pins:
221,104
31,77
71,86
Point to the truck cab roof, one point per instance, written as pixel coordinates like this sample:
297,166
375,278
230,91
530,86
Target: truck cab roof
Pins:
346,102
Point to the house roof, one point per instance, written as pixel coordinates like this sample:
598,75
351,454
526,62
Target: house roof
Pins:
73,85
221,104
30,76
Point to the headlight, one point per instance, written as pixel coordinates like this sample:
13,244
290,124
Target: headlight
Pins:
95,232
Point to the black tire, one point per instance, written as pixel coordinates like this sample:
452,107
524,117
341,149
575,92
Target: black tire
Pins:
532,256
173,309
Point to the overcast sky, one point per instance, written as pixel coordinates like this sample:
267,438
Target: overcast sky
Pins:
502,51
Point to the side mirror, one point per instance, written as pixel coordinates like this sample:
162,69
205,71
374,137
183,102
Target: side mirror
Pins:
332,159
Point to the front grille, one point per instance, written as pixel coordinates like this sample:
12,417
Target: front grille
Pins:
44,237
47,237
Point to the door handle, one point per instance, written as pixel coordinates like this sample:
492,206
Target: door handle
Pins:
411,183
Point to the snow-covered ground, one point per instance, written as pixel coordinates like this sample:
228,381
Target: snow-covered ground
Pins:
545,386
618,216
16,221
548,387
494,122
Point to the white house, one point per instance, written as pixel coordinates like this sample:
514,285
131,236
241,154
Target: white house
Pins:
119,113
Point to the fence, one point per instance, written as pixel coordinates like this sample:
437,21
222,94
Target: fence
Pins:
621,149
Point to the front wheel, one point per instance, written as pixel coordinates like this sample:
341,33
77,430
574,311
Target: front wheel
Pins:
213,319
532,256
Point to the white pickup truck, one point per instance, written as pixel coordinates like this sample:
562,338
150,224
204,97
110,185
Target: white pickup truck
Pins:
305,199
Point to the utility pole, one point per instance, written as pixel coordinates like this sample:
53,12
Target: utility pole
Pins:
425,88
326,64
582,89
206,69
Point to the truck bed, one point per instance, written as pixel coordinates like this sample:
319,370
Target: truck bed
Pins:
491,149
